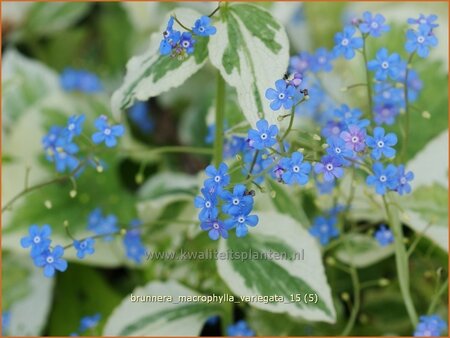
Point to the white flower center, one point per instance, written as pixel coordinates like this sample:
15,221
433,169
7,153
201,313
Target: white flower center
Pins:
380,144
208,204
347,115
217,179
186,44
422,21
322,59
241,219
263,136
201,29
329,167
355,139
385,65
236,201
216,225
383,178
83,245
335,130
295,168
323,228
50,260
337,150
107,131
374,25
71,126
403,180
420,39
37,239
344,42
281,96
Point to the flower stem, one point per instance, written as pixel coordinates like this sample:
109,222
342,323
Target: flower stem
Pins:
401,260
220,115
356,302
369,83
437,297
407,122
170,149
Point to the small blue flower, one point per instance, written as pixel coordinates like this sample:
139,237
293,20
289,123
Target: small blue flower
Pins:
381,144
385,65
202,26
238,202
102,225
69,79
187,42
420,41
264,136
374,25
430,326
80,80
84,247
346,43
384,236
346,114
284,95
134,248
330,167
75,126
337,148
213,320
107,133
385,92
218,177
6,321
38,239
321,60
215,228
386,113
424,20
51,261
333,128
354,138
89,322
295,170
240,222
234,146
404,178
138,114
300,63
207,203
240,329
383,178
170,39
324,229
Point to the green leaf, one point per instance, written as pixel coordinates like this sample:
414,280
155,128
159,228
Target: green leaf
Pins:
47,18
268,277
28,300
151,74
160,318
251,51
362,251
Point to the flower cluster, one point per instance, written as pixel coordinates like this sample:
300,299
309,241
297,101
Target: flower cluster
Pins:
61,149
430,326
181,45
420,40
237,204
132,241
80,80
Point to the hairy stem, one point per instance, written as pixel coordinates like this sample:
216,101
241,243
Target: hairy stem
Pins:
220,115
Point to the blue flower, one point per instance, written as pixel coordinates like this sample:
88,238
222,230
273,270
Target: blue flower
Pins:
80,80
349,116
216,229
321,60
295,170
207,203
330,167
202,26
218,177
386,113
213,320
187,42
346,43
300,63
240,329
430,326
374,25
51,261
333,128
84,247
89,322
6,321
38,239
420,41
134,248
138,114
170,39
381,144
354,138
240,222
383,178
60,150
337,148
284,95
234,146
264,136
385,65
74,126
324,229
384,236
107,133
424,20
102,225
238,202
413,82
385,92
404,178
